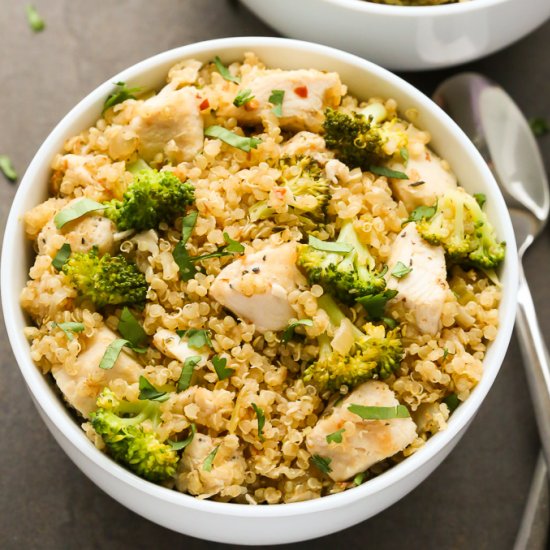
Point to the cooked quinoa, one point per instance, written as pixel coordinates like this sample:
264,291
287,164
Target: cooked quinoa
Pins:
256,427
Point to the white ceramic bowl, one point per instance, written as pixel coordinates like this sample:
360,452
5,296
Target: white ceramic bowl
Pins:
406,37
235,523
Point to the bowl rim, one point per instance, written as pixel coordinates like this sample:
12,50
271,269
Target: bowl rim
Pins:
52,406
415,11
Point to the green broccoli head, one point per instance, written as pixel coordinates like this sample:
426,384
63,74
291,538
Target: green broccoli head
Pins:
153,197
310,190
463,229
374,354
359,141
348,276
107,279
128,430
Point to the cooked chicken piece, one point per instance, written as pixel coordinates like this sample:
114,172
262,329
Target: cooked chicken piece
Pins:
173,346
307,93
82,382
82,235
170,123
432,171
305,144
226,471
256,286
424,289
364,442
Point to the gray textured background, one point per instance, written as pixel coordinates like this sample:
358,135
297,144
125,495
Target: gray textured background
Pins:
473,501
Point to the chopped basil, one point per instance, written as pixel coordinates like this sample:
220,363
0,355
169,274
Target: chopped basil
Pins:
187,372
379,413
452,401
539,126
243,97
445,354
111,353
335,437
196,337
209,460
276,99
400,270
359,478
289,331
388,172
184,262
240,142
322,463
224,71
220,367
421,213
36,23
261,421
417,183
179,445
121,93
376,303
404,154
68,328
62,256
148,392
481,199
328,246
232,245
187,225
75,211
6,167
130,329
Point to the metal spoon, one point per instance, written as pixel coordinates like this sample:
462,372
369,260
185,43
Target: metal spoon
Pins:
499,130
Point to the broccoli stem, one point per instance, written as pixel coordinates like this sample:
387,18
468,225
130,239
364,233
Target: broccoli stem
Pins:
335,314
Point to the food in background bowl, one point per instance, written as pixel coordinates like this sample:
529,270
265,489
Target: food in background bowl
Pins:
416,2
254,287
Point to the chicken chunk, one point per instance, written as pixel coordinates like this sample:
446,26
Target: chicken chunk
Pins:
170,123
307,93
423,291
256,286
364,442
82,382
429,169
227,471
173,346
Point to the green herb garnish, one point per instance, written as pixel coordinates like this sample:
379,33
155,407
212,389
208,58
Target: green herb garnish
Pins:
148,392
404,154
62,256
224,71
36,23
111,353
376,303
240,142
261,421
179,445
209,460
196,337
481,199
388,173
400,270
130,329
379,413
276,99
539,126
289,331
322,463
417,183
184,262
6,167
328,246
122,93
335,437
187,372
389,321
68,328
359,478
220,366
452,401
187,225
243,97
421,213
76,210
233,246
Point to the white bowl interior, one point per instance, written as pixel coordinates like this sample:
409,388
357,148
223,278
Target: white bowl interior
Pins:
364,79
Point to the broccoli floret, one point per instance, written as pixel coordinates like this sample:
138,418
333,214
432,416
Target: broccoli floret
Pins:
348,276
463,229
128,430
371,355
106,279
359,140
153,197
310,190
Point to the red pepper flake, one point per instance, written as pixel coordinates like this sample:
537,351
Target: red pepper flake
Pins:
204,105
301,91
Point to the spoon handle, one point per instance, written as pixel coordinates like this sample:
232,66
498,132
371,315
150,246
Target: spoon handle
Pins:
536,359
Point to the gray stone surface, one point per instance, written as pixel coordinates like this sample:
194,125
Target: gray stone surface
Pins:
474,500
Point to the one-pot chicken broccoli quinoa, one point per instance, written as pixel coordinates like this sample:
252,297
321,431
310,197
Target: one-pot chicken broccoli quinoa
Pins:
251,286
